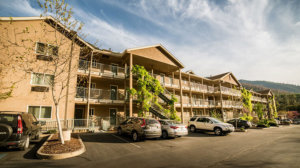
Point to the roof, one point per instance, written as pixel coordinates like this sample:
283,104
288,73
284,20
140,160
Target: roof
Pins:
170,56
49,18
220,76
223,75
265,92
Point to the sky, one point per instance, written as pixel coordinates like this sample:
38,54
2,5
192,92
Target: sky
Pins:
255,40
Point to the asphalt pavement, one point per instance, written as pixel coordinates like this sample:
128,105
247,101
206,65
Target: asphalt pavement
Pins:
271,147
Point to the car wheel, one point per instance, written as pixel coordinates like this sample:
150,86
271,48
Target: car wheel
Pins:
135,136
26,143
193,128
164,135
119,131
218,131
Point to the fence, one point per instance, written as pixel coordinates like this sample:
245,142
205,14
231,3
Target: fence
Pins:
92,124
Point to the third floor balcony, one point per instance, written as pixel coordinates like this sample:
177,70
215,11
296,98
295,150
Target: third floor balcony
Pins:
102,70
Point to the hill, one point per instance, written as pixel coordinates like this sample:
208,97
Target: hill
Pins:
277,88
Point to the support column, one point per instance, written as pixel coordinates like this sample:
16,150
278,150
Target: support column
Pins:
191,101
221,99
130,84
125,89
181,101
89,88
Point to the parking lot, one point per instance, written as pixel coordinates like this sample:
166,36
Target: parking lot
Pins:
271,147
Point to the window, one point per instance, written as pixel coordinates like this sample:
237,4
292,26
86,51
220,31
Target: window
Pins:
40,112
93,85
41,79
171,80
46,49
92,112
94,63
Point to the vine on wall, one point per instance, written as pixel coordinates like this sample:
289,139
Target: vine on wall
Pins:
247,104
147,91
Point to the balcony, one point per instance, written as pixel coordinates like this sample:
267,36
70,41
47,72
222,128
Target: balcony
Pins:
100,96
228,91
103,70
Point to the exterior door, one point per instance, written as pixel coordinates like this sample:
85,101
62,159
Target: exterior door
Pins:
78,117
200,123
113,116
113,92
114,69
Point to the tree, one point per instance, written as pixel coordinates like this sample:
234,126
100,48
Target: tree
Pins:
58,65
259,109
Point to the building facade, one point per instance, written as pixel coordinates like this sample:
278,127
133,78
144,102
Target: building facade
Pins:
99,79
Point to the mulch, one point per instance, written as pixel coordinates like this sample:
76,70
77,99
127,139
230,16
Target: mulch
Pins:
54,145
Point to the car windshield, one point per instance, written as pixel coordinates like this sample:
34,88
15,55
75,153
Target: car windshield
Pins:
152,121
215,120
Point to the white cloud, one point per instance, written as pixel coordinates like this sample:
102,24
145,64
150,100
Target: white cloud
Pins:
22,7
256,40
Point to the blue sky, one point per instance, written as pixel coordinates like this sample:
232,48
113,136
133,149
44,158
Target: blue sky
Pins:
256,40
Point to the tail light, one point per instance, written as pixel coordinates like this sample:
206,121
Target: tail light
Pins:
185,126
144,123
20,125
174,127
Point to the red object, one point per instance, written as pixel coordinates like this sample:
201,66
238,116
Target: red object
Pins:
144,123
20,125
174,127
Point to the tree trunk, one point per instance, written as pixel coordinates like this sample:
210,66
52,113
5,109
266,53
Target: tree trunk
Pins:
59,125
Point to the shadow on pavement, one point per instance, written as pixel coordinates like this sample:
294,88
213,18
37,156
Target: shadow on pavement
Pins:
31,154
102,138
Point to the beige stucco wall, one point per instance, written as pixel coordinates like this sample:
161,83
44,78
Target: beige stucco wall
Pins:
22,96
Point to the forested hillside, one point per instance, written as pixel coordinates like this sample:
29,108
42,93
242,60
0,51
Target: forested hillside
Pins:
276,87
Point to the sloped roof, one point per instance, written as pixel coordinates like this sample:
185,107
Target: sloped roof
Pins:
223,75
169,55
266,92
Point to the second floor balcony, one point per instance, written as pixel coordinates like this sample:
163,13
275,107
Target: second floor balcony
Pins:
100,96
103,70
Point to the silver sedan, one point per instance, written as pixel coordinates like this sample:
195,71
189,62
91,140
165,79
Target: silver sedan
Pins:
171,128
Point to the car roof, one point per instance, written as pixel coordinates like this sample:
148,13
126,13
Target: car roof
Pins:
12,112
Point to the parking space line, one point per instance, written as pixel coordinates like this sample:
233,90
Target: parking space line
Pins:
2,155
126,141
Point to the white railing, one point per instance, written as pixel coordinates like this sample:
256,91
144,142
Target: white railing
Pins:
94,123
101,69
100,95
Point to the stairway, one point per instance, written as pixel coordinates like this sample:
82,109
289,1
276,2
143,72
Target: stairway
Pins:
157,111
165,96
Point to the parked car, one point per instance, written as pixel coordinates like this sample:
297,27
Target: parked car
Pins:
285,122
210,124
17,129
296,121
239,123
139,128
171,128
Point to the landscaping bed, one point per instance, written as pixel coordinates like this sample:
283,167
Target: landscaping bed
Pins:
54,145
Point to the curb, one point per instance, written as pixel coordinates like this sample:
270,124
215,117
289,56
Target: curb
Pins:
41,155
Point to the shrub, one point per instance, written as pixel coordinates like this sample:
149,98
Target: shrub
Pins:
272,122
247,117
263,123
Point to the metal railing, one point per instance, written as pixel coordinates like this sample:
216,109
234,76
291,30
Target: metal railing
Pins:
101,69
92,124
100,95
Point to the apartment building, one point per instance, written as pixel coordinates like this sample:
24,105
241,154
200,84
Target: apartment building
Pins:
100,78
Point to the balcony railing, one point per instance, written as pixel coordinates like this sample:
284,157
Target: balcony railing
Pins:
100,69
228,91
100,95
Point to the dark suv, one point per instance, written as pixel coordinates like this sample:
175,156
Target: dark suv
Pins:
140,128
17,129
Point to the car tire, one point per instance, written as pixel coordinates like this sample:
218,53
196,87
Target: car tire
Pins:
135,136
218,131
192,128
119,131
164,135
6,132
26,143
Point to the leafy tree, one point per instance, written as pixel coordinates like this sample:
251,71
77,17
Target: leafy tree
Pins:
259,109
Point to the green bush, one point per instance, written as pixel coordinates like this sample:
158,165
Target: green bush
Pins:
272,122
263,123
247,117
